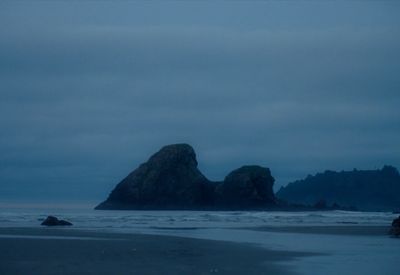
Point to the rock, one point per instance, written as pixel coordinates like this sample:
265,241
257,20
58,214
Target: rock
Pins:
53,221
395,230
396,222
321,204
247,187
170,179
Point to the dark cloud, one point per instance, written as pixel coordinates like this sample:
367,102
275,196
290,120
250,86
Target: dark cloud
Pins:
83,101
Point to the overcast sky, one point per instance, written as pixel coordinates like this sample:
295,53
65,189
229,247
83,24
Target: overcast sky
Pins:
89,90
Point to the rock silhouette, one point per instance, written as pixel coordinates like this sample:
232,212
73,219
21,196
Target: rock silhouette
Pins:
395,230
248,186
170,179
53,221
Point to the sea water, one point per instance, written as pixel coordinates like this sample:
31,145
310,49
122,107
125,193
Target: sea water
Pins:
129,221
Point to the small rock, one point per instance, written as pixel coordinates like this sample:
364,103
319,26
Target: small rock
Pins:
395,230
321,204
53,221
396,222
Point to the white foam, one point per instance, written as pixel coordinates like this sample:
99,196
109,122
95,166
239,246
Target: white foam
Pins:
92,219
16,236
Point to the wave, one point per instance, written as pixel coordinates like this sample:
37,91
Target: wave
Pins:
180,220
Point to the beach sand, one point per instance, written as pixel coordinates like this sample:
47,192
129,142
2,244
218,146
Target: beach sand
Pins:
349,230
64,251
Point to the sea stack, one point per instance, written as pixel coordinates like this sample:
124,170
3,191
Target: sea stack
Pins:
246,187
170,179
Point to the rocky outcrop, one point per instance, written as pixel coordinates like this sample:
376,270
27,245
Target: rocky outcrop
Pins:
395,230
53,221
246,187
170,179
373,190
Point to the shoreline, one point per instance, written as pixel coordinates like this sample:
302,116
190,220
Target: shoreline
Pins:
88,252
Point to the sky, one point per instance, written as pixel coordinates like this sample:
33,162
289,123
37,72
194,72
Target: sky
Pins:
90,89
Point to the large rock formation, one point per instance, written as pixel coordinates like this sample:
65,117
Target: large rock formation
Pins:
170,179
248,186
375,190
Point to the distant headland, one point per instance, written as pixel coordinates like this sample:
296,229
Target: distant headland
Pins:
366,190
171,180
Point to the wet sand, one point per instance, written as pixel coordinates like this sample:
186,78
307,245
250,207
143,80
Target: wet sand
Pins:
350,230
62,251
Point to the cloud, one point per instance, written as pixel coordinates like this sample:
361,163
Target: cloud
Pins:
83,105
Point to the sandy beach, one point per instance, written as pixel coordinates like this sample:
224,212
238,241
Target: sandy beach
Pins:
346,230
62,251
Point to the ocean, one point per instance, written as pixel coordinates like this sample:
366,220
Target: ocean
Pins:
155,221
